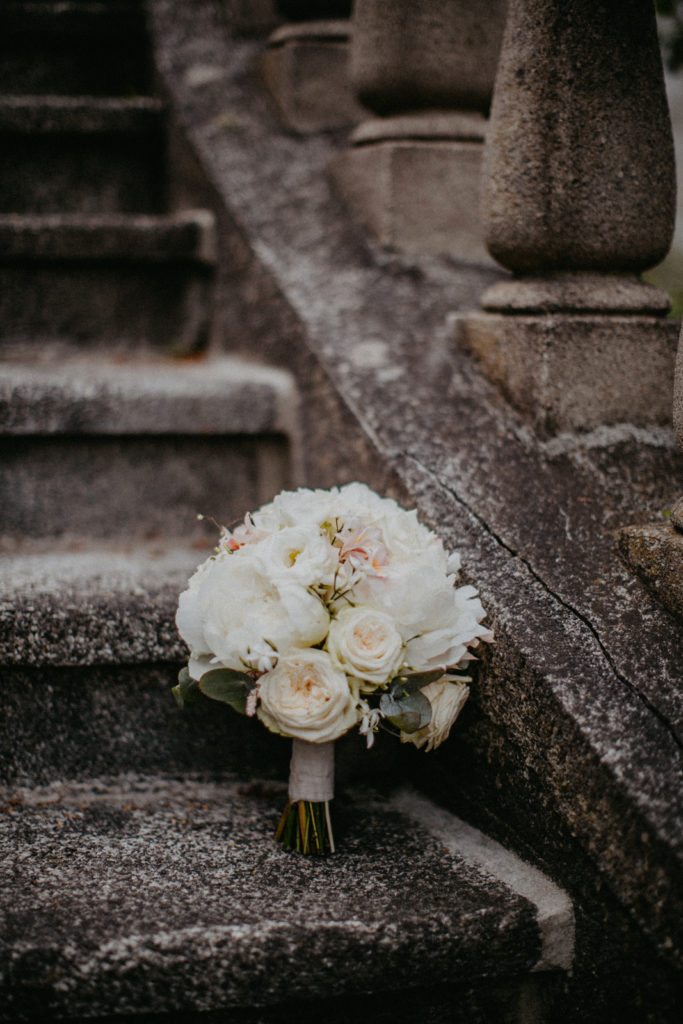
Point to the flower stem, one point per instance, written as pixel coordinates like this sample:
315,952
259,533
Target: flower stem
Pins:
306,827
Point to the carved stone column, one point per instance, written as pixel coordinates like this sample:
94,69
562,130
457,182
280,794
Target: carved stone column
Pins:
579,197
306,66
426,68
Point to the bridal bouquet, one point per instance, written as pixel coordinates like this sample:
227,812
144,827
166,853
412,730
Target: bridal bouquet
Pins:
323,611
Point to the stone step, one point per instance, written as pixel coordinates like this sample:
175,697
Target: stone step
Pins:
75,154
87,636
137,448
134,895
74,46
116,281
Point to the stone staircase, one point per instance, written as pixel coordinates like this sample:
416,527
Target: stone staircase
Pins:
140,875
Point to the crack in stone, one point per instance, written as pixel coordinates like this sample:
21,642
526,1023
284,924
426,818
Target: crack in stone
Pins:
565,604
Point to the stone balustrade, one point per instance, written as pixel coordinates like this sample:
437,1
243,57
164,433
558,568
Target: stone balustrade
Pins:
411,174
579,196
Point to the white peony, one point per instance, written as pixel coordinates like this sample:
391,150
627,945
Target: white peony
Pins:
240,617
306,697
303,507
445,635
366,644
447,699
296,554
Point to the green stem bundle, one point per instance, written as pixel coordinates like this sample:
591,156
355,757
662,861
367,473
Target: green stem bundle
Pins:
306,827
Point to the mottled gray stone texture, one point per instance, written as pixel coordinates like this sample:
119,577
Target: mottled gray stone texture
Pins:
579,170
572,739
114,281
678,398
137,449
395,187
655,552
413,178
306,70
130,895
410,55
575,371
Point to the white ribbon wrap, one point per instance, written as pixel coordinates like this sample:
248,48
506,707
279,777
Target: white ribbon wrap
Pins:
311,771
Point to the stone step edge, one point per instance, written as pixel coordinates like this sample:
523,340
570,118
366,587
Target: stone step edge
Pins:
216,395
470,855
554,909
102,605
187,236
79,115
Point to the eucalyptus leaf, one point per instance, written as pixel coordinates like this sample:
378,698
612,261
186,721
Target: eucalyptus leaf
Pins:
228,687
188,688
412,682
406,713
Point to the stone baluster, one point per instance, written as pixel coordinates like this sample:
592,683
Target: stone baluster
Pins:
306,66
412,174
579,198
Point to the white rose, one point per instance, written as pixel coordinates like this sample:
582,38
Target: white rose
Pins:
240,617
307,697
297,554
366,644
447,699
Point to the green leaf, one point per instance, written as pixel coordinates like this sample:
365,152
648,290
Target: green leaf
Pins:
412,682
227,686
406,713
175,690
188,687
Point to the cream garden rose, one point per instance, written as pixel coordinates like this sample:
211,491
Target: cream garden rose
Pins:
366,644
307,697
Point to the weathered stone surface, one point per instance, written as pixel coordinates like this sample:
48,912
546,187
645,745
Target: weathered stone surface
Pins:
411,55
581,292
232,920
677,514
114,281
578,183
585,677
139,448
656,554
576,372
425,126
133,488
215,395
579,171
251,17
305,68
77,115
417,195
71,154
122,717
678,398
80,607
413,178
184,237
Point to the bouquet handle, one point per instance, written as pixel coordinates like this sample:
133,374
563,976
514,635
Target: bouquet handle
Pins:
306,825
